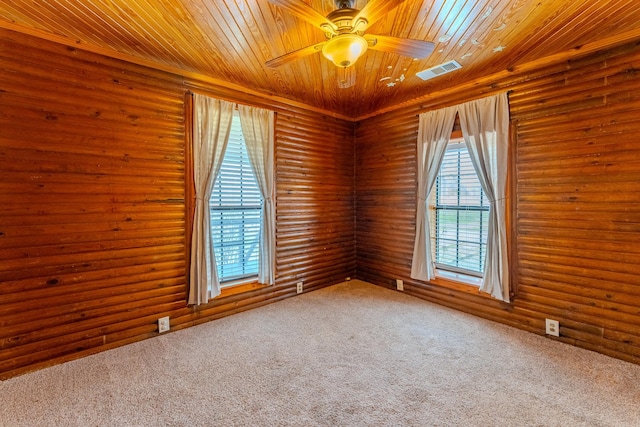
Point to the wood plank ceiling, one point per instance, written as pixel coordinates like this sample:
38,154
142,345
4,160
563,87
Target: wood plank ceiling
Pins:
230,40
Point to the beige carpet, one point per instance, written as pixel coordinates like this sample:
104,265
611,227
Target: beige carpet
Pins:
349,355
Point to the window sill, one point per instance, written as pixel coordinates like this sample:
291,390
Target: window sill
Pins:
459,282
239,287
459,277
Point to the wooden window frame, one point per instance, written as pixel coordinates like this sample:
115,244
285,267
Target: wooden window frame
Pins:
470,284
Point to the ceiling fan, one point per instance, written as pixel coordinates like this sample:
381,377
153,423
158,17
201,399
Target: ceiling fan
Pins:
346,41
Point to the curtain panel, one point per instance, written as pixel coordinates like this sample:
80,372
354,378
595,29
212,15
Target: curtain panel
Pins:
211,128
485,128
258,128
434,131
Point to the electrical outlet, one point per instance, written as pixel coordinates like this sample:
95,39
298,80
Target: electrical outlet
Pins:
347,279
299,288
552,327
399,285
163,324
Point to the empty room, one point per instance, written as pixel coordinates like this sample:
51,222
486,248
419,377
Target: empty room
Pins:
319,213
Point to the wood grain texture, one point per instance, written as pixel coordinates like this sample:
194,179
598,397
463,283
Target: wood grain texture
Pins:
93,228
576,163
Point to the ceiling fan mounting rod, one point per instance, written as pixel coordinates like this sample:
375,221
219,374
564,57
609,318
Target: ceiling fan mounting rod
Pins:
345,4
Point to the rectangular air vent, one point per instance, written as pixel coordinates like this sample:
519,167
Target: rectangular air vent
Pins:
439,70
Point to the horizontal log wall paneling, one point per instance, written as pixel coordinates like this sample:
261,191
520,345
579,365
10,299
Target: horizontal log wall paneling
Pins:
315,200
92,220
92,213
577,218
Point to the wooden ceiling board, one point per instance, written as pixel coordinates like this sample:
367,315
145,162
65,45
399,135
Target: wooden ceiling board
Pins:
230,40
541,22
595,23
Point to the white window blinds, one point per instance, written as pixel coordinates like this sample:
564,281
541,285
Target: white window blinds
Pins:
462,212
236,212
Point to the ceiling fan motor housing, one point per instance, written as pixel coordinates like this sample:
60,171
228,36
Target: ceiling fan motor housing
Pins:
343,19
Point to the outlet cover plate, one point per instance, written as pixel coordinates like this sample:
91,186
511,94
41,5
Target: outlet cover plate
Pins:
399,285
299,288
163,324
552,327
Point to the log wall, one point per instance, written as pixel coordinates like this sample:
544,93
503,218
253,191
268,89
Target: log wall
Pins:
576,217
92,212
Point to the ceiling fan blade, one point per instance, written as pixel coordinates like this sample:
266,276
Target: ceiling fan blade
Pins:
346,77
306,12
406,47
376,9
296,54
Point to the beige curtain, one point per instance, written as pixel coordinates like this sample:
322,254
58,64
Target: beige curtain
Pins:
434,132
211,128
485,127
258,130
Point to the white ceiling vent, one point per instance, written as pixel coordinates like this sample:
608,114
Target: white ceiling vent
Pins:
439,70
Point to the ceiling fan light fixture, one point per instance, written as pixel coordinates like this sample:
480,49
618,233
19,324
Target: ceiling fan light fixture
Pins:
345,49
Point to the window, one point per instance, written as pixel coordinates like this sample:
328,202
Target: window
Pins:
236,212
461,214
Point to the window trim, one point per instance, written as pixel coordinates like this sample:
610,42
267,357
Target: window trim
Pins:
226,289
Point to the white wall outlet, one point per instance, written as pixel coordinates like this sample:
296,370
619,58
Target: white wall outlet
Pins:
347,279
299,288
163,324
552,327
399,285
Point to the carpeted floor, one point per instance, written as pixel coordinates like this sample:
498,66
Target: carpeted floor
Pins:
349,355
